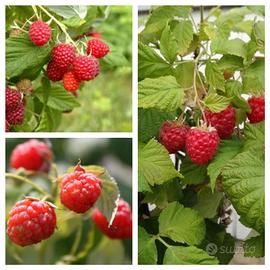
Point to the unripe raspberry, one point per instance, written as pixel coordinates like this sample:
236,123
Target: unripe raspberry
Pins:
55,73
85,68
257,106
31,221
223,122
70,82
121,227
16,116
201,144
63,55
13,98
97,48
79,190
32,155
173,135
40,33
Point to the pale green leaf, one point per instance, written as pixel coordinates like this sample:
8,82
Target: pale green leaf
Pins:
216,103
214,75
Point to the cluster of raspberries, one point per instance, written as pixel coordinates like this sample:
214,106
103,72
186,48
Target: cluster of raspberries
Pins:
14,108
201,143
65,64
31,220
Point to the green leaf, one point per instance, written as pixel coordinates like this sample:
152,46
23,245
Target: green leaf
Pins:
230,62
188,255
255,246
168,44
50,119
22,54
74,22
155,163
260,10
181,224
162,93
244,26
216,103
151,64
227,150
243,183
147,253
254,137
69,11
208,202
183,32
258,34
214,76
184,74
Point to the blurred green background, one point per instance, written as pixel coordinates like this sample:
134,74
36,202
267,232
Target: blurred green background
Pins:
113,154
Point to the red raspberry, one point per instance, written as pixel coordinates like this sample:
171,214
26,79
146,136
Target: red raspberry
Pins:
94,34
13,98
40,33
16,116
201,145
121,227
55,73
7,126
257,109
70,82
31,221
63,55
79,190
223,121
86,68
32,155
173,135
97,48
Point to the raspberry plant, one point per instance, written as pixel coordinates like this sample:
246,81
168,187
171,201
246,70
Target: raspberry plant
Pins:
50,207
208,75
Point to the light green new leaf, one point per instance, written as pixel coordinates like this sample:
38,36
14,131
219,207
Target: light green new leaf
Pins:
155,164
188,255
184,74
214,75
163,93
216,103
181,224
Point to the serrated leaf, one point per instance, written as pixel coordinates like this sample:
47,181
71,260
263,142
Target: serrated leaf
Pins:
147,253
255,246
188,255
254,136
70,11
243,183
216,103
163,93
183,225
214,75
155,163
49,120
230,62
184,74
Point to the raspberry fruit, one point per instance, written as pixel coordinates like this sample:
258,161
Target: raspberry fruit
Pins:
257,105
40,33
13,98
97,35
79,190
31,221
86,68
173,135
63,55
201,144
55,73
121,227
70,82
16,116
32,155
223,122
7,126
97,48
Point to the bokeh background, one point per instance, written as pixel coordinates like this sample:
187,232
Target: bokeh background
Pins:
113,154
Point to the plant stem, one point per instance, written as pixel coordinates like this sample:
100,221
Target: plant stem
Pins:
163,242
176,165
41,252
25,180
201,12
77,239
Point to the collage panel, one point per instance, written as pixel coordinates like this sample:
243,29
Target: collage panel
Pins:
68,68
201,135
68,201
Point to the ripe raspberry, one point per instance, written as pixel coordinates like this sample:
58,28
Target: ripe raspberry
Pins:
40,33
30,221
121,227
86,68
257,109
32,155
13,98
55,73
16,116
7,126
173,135
63,55
79,190
201,145
97,48
70,82
223,121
